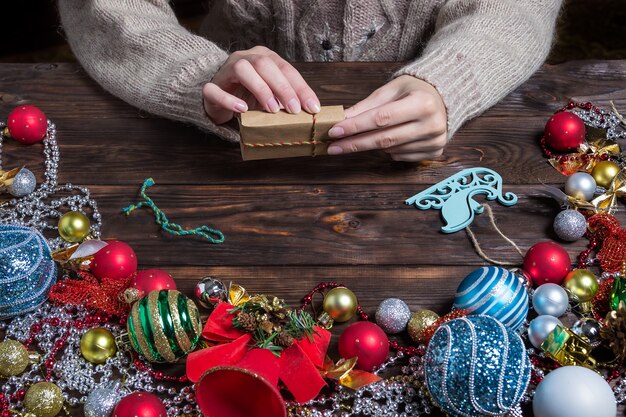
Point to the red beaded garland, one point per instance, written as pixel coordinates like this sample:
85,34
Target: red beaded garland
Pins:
27,124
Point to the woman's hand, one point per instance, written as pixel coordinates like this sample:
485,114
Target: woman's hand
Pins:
257,78
406,118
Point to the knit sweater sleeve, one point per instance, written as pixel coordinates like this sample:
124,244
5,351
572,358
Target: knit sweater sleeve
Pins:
137,50
483,49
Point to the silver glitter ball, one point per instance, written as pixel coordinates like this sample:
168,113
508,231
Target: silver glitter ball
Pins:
393,315
581,186
570,225
210,291
23,183
103,399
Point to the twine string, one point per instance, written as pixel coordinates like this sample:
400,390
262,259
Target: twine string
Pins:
478,248
617,114
205,232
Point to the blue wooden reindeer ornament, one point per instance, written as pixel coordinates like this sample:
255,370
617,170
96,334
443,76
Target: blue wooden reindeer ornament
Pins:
455,196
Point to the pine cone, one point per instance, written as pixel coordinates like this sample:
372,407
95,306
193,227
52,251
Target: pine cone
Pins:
284,340
614,331
247,322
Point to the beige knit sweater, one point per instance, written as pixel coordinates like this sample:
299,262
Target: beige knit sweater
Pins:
473,51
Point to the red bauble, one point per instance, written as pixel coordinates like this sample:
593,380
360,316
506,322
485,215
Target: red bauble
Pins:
152,279
140,404
365,341
546,262
27,124
116,260
564,131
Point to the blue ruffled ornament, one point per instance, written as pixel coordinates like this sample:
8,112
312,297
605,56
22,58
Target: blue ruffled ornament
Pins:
496,292
27,270
475,366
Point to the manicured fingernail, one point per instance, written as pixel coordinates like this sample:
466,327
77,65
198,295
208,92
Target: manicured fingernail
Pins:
313,106
335,150
293,106
336,132
241,107
272,105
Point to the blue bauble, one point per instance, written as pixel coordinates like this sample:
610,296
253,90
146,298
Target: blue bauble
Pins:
495,292
27,270
475,366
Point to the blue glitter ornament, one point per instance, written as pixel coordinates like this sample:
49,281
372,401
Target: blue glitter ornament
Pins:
496,292
27,270
475,366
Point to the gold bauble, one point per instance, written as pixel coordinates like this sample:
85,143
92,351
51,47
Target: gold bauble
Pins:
604,172
420,321
97,345
14,358
43,399
582,285
74,226
340,304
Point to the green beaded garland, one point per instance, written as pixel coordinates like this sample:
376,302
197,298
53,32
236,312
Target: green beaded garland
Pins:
164,326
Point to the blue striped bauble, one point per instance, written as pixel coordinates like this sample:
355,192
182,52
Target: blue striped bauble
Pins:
27,270
474,366
495,292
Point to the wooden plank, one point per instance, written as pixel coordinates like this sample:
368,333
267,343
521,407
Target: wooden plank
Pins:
99,151
64,90
316,225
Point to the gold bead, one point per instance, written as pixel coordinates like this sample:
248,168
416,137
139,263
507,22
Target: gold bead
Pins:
14,358
97,345
74,226
604,172
340,304
43,399
420,321
582,285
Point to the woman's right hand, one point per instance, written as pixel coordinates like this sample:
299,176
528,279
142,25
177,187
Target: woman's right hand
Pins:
257,78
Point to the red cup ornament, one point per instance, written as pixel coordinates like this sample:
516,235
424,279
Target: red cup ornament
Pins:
151,280
365,341
116,260
140,404
27,124
564,131
546,262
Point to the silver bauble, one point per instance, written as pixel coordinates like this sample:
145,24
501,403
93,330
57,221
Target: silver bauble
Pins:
581,186
23,183
103,399
550,299
210,292
539,329
393,315
570,225
588,328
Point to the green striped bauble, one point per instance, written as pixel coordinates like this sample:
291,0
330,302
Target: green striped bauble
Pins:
164,326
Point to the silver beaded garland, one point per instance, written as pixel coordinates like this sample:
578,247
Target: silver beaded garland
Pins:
570,225
393,315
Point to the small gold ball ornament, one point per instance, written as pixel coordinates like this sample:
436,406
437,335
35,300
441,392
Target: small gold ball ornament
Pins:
340,304
604,172
97,345
14,358
582,285
420,321
74,226
43,399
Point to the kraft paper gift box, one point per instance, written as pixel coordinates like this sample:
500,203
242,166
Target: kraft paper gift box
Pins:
284,135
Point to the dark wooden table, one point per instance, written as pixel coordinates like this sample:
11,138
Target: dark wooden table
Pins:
291,224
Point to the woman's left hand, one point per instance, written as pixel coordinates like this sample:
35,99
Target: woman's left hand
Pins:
405,118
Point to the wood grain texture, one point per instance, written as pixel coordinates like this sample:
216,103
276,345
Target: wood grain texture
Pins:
291,224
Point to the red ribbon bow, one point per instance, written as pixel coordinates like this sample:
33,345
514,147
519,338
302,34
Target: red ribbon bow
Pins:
297,367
